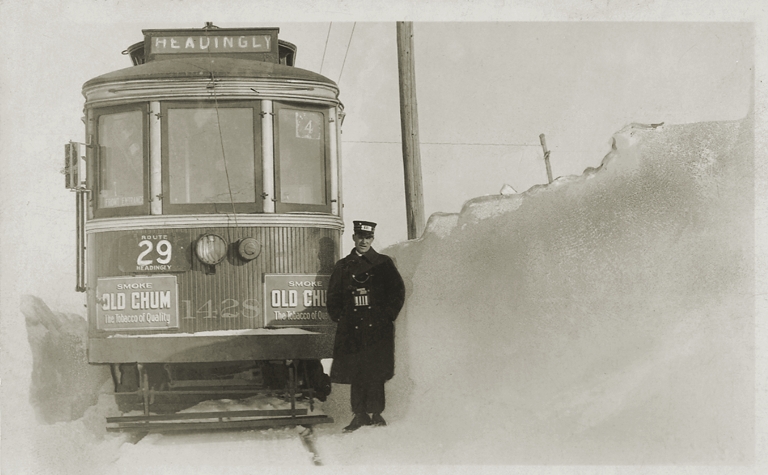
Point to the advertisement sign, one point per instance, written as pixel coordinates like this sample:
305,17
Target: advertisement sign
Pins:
147,253
296,300
137,303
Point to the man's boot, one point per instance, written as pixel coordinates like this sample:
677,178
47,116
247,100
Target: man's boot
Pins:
377,420
359,421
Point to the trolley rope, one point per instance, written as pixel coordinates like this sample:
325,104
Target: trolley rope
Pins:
221,136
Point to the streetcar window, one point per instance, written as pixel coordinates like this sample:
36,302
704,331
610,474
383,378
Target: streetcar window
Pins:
211,155
121,159
301,159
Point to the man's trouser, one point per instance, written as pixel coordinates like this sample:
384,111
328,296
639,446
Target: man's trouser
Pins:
367,397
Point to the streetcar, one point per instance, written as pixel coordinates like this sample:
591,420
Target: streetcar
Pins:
209,218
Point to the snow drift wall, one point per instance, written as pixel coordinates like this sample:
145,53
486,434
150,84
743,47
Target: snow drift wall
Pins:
63,384
602,319
605,318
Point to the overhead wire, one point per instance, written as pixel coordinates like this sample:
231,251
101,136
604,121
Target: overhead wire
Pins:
326,47
473,144
346,52
452,143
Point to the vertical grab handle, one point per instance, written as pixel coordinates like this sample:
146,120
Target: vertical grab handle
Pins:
81,196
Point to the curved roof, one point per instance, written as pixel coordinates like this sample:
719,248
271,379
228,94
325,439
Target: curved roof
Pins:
203,67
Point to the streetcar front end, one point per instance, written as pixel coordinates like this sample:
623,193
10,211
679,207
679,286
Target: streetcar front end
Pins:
209,217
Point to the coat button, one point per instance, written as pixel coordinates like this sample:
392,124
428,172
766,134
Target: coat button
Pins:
356,327
354,310
370,324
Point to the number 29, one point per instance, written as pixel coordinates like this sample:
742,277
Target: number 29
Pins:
164,250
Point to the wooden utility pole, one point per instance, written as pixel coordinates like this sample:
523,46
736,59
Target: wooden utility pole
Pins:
409,125
546,156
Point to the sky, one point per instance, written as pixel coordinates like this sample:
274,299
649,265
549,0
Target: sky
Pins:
486,89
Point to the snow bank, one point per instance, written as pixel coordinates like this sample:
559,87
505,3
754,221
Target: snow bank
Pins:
605,318
63,385
602,319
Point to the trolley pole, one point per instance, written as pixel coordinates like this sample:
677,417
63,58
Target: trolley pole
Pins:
546,156
409,125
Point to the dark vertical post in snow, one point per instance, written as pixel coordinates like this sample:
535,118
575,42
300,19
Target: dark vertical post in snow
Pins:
546,156
409,124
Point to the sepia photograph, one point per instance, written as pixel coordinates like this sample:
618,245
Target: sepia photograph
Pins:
460,237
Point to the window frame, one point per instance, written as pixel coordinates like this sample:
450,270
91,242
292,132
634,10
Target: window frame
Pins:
280,206
143,209
212,208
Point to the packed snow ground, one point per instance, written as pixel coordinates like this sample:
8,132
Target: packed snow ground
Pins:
604,319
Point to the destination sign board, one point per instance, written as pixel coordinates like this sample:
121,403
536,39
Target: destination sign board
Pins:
153,252
254,43
292,300
137,303
219,44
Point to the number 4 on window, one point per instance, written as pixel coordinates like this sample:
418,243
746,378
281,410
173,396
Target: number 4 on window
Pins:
308,125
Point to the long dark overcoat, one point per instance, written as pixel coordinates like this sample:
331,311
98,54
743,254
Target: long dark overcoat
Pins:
365,295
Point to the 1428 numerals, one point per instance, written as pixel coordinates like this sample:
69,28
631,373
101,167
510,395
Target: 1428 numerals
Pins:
227,308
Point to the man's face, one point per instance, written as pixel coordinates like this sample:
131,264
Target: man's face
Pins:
363,242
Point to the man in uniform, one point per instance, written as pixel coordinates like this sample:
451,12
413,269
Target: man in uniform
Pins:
365,295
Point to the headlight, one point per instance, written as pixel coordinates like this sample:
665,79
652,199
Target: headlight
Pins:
249,248
211,249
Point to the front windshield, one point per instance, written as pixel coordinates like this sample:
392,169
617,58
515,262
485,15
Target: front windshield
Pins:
121,159
211,155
